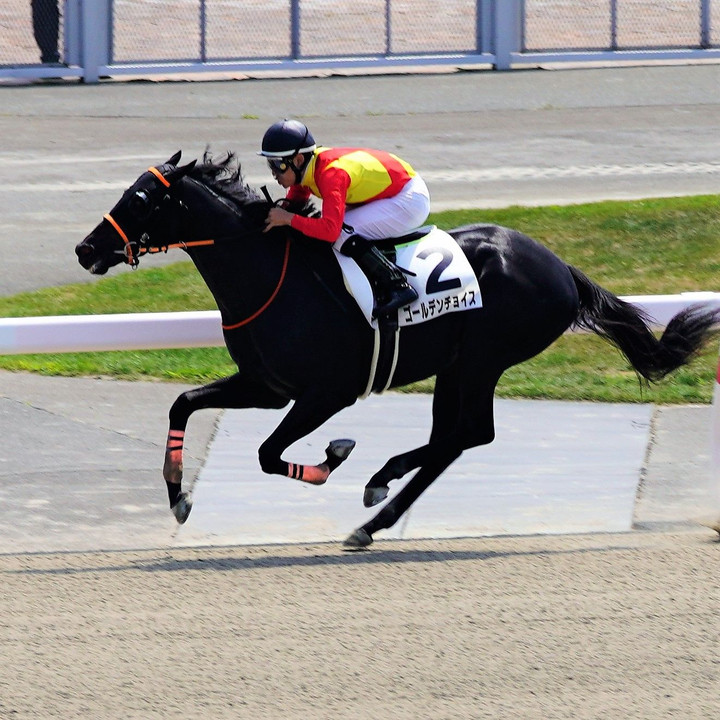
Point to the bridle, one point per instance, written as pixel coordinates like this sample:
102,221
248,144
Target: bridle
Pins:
132,258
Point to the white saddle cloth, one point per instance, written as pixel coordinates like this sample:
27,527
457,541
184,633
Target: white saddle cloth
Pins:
438,271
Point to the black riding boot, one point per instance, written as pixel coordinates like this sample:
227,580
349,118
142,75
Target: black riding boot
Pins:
389,283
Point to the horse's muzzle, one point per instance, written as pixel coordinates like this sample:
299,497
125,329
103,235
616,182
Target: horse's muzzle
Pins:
87,257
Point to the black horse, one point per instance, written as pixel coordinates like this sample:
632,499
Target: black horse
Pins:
295,333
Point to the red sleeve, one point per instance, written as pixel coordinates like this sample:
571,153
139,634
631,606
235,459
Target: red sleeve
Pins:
298,193
333,184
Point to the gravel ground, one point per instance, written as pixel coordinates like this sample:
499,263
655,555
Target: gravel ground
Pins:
595,626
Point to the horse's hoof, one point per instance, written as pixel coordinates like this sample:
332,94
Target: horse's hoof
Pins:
375,495
340,449
358,540
337,452
181,509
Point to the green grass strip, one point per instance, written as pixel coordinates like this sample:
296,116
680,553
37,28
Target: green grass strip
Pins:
646,247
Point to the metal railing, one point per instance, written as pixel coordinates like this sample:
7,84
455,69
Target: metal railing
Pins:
133,37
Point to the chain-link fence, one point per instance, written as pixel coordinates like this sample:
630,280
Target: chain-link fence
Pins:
31,32
219,30
88,38
620,24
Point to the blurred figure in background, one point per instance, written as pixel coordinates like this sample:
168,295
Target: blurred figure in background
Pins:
46,28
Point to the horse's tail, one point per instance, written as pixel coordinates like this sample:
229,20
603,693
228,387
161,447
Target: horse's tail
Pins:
628,329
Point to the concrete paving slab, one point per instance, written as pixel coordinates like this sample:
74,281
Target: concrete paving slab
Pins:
81,462
680,484
555,467
80,469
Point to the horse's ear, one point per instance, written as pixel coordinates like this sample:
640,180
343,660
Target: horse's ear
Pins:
174,175
175,159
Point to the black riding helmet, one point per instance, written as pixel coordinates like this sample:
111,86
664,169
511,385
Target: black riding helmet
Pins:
285,139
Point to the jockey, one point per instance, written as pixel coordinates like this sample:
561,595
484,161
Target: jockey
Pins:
366,195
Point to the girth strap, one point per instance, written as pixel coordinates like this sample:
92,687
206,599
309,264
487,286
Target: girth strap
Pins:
386,351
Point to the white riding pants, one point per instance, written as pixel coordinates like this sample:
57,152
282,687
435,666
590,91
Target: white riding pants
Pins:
389,217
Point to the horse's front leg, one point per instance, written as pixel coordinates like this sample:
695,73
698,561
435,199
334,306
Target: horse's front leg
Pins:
235,391
310,411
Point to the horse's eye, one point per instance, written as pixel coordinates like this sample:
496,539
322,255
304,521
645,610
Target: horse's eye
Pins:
140,205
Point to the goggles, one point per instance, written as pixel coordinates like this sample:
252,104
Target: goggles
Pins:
279,164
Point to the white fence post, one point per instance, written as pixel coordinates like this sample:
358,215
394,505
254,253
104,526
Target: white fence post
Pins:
96,35
507,32
713,520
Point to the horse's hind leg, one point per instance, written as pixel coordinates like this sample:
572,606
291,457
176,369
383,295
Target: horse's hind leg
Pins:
462,418
395,508
234,391
446,400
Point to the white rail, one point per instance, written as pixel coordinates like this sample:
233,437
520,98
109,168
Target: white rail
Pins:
89,333
661,308
151,331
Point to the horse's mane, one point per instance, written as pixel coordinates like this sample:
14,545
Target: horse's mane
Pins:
224,176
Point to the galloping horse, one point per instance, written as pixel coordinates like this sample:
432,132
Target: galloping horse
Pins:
296,334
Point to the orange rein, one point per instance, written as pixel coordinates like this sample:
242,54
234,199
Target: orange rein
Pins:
195,243
145,251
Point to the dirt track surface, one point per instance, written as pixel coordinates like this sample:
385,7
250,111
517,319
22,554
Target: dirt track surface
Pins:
594,626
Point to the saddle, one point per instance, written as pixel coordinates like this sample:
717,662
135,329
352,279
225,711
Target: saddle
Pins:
439,271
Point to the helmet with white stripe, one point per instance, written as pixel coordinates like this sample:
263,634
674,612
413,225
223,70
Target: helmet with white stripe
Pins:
287,138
